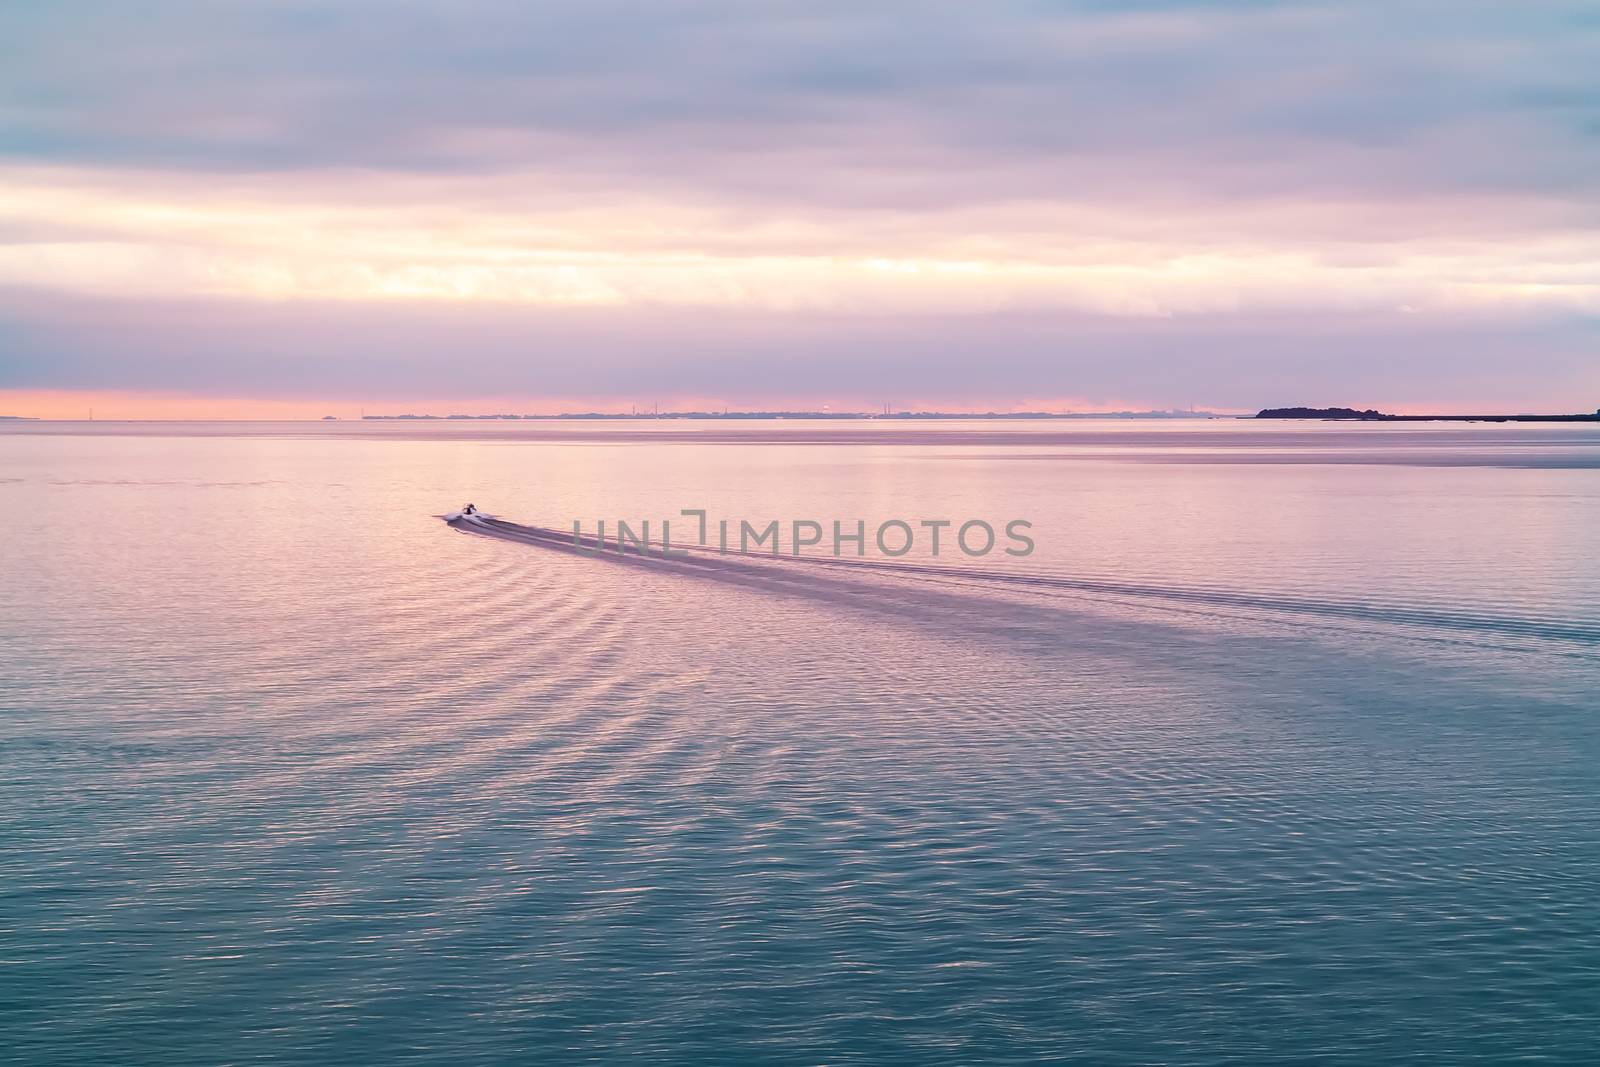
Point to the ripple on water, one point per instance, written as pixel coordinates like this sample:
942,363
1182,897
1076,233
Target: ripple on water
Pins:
426,797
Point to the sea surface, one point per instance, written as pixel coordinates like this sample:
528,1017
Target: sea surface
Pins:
1282,746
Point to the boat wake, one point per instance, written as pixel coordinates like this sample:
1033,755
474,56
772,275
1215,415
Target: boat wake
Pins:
788,570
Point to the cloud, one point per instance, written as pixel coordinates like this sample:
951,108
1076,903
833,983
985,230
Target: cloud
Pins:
1218,194
928,104
549,356
457,240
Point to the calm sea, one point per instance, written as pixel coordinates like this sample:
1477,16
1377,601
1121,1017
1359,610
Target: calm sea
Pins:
1282,747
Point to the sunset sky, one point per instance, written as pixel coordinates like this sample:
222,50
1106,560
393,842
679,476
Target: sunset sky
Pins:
295,209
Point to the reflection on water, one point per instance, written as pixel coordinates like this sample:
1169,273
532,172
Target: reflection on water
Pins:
1279,761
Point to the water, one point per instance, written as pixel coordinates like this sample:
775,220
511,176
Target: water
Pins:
1282,747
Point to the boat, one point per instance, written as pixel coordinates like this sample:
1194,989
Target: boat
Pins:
468,515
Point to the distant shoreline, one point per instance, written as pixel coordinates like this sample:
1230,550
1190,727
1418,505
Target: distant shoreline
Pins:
1369,415
1282,414
865,416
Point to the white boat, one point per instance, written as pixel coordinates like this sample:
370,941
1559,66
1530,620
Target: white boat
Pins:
468,514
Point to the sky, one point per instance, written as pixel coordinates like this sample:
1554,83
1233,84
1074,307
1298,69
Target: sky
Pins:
277,208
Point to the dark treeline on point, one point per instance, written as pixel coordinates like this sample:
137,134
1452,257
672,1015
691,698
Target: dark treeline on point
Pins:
1371,415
